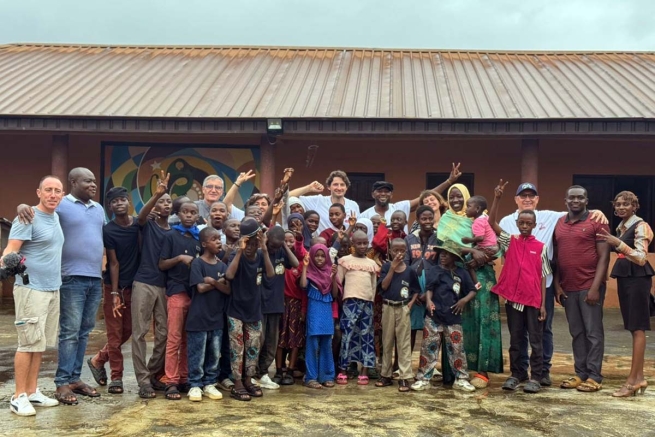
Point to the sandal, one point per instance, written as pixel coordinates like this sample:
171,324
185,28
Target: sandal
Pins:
253,390
362,380
297,373
313,384
328,384
342,379
384,382
572,382
590,386
240,394
85,390
403,386
66,397
146,392
115,387
157,384
98,373
373,373
287,379
172,393
479,381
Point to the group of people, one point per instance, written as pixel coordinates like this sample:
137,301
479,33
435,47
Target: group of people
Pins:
305,281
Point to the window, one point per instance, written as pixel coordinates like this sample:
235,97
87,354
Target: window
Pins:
434,179
361,187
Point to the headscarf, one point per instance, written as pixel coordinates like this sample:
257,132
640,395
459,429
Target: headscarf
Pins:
306,233
465,193
321,277
369,228
293,200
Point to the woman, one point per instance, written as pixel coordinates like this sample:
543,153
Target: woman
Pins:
435,201
481,317
633,276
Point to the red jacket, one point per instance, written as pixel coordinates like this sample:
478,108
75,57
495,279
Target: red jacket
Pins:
520,279
382,240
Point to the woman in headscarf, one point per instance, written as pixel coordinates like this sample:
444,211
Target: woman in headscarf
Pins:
481,317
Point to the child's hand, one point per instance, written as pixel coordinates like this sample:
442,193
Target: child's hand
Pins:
459,306
431,308
467,240
208,280
334,270
288,172
397,260
498,191
261,237
298,235
542,313
278,207
352,220
305,260
454,174
153,215
162,186
243,241
279,193
316,187
186,259
340,235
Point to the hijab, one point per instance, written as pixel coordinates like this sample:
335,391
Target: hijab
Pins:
455,225
369,228
465,194
306,233
321,277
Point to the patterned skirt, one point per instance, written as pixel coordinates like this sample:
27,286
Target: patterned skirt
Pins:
357,343
292,329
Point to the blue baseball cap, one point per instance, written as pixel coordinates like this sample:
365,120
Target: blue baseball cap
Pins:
526,186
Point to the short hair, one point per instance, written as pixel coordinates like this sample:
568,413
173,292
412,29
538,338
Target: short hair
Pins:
276,232
177,203
257,196
479,201
190,202
443,205
528,212
211,177
49,177
398,241
580,187
218,201
318,239
628,196
396,211
309,213
226,222
338,205
338,174
423,208
359,234
205,233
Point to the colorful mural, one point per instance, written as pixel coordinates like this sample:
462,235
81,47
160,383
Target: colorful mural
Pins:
137,167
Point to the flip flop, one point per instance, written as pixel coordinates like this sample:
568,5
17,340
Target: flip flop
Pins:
98,373
115,387
240,394
383,382
362,380
85,390
146,392
403,386
65,398
172,393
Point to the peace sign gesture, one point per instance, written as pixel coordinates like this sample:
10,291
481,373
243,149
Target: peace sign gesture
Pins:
609,238
498,191
162,185
454,174
352,220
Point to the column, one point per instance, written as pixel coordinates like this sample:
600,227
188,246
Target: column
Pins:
59,158
267,171
530,161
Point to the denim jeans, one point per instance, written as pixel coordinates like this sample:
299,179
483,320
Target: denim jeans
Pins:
547,337
204,349
79,298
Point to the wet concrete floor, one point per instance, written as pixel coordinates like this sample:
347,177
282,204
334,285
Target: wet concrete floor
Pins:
350,410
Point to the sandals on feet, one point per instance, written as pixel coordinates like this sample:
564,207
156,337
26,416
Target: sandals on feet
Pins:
115,387
313,384
157,384
328,384
479,381
66,397
240,394
172,393
403,385
362,380
384,382
590,386
98,373
572,382
253,390
85,390
287,379
342,379
146,392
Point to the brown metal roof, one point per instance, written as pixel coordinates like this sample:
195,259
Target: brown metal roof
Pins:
297,83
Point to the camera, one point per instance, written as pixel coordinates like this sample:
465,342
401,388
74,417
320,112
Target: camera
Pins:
13,264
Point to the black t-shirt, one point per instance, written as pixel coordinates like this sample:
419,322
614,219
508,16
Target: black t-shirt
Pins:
125,242
152,241
207,310
273,290
177,278
445,293
246,297
403,285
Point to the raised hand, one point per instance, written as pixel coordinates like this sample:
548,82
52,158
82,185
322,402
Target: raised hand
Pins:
498,191
278,207
305,260
162,186
261,237
316,187
454,173
245,177
243,241
288,172
334,270
352,220
397,260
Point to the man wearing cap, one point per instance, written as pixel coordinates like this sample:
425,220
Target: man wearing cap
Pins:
527,198
121,240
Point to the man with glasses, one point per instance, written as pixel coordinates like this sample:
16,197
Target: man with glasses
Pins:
212,190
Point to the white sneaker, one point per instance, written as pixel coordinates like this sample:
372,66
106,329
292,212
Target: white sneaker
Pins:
38,399
195,394
212,393
464,385
266,382
21,405
420,385
254,382
226,384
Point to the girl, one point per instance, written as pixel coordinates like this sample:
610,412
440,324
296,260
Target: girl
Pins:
296,224
312,220
366,226
319,279
360,276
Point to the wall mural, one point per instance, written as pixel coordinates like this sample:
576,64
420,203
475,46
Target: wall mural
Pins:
137,166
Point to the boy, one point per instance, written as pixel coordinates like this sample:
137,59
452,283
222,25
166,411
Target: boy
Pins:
180,248
244,310
522,283
206,320
384,235
337,215
121,238
448,291
282,259
399,287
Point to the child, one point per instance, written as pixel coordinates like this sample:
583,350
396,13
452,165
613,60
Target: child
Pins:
292,328
484,236
522,283
206,322
255,212
312,220
449,289
399,287
384,235
245,273
358,276
231,229
217,216
297,224
319,279
377,221
180,248
337,216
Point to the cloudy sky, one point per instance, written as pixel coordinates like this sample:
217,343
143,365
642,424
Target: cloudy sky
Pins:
447,24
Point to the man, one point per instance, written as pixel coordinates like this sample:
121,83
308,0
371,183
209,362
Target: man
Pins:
36,302
582,259
337,183
213,188
527,198
121,240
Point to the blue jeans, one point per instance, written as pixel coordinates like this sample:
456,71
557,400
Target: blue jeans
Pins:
79,298
203,349
547,338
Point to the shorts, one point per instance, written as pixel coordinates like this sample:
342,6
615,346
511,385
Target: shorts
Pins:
37,318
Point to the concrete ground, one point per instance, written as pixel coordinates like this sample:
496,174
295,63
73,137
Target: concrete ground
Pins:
350,410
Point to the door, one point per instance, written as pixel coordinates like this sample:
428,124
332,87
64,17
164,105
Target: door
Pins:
361,187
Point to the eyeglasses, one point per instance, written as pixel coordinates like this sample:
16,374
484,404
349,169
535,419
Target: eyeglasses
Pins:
213,187
527,195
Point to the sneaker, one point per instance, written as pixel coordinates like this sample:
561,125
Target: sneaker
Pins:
464,385
265,382
420,385
21,405
195,394
225,384
38,399
212,393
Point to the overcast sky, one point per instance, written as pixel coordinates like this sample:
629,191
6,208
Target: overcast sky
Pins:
447,24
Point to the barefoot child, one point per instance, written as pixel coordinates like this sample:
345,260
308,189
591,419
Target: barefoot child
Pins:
449,289
319,279
399,288
246,272
205,322
522,283
358,276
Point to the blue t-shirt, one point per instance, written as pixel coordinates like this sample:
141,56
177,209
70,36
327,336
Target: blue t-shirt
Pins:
43,240
207,310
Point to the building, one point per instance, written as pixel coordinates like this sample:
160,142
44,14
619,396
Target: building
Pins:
403,115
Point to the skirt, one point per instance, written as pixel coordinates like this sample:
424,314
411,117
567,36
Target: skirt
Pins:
357,342
634,301
292,329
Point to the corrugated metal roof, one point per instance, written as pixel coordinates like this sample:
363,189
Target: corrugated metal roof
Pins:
285,82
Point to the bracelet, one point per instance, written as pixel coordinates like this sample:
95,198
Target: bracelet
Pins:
114,293
238,186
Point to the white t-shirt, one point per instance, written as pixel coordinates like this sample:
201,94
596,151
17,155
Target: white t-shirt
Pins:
546,221
403,205
236,213
321,204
